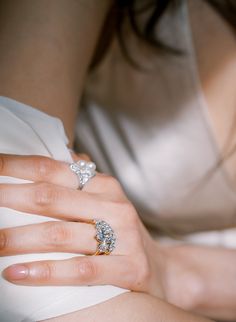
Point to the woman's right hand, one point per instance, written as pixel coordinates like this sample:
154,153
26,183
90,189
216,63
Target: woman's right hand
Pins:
136,263
173,274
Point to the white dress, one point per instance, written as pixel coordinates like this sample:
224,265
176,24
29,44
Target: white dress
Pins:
158,142
25,131
152,131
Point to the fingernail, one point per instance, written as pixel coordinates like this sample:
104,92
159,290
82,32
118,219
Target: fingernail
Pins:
16,272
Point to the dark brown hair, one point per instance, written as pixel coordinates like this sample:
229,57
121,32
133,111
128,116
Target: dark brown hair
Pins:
130,10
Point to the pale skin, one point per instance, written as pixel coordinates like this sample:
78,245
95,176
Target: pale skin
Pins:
174,274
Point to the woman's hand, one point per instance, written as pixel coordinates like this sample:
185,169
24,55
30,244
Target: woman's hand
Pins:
131,265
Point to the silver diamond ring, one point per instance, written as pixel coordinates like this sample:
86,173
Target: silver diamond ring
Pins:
84,170
105,237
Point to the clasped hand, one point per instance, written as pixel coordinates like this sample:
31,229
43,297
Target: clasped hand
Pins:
52,193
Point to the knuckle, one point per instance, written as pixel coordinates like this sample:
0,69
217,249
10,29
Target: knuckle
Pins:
128,211
45,195
44,167
45,271
56,234
87,270
112,182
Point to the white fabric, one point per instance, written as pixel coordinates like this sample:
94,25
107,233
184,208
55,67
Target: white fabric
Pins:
152,131
24,130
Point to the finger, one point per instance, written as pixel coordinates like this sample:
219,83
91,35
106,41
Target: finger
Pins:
37,169
52,236
44,169
58,202
86,270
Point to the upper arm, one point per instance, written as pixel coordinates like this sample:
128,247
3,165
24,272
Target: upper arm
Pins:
46,48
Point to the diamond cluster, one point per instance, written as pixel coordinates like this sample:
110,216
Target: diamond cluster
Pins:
84,170
105,237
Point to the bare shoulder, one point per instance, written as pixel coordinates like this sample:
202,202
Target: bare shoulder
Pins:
132,307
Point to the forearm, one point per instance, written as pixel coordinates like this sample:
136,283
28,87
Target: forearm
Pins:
46,48
132,307
202,279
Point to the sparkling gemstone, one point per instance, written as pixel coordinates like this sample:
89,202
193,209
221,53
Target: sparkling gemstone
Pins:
105,237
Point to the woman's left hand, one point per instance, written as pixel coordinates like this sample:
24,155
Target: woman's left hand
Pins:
134,264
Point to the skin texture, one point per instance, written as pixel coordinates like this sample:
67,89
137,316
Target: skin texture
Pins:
46,47
102,195
132,307
31,76
186,276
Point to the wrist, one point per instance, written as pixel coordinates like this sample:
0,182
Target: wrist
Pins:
158,264
182,284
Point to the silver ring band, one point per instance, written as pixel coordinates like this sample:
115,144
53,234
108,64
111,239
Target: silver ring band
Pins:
84,171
